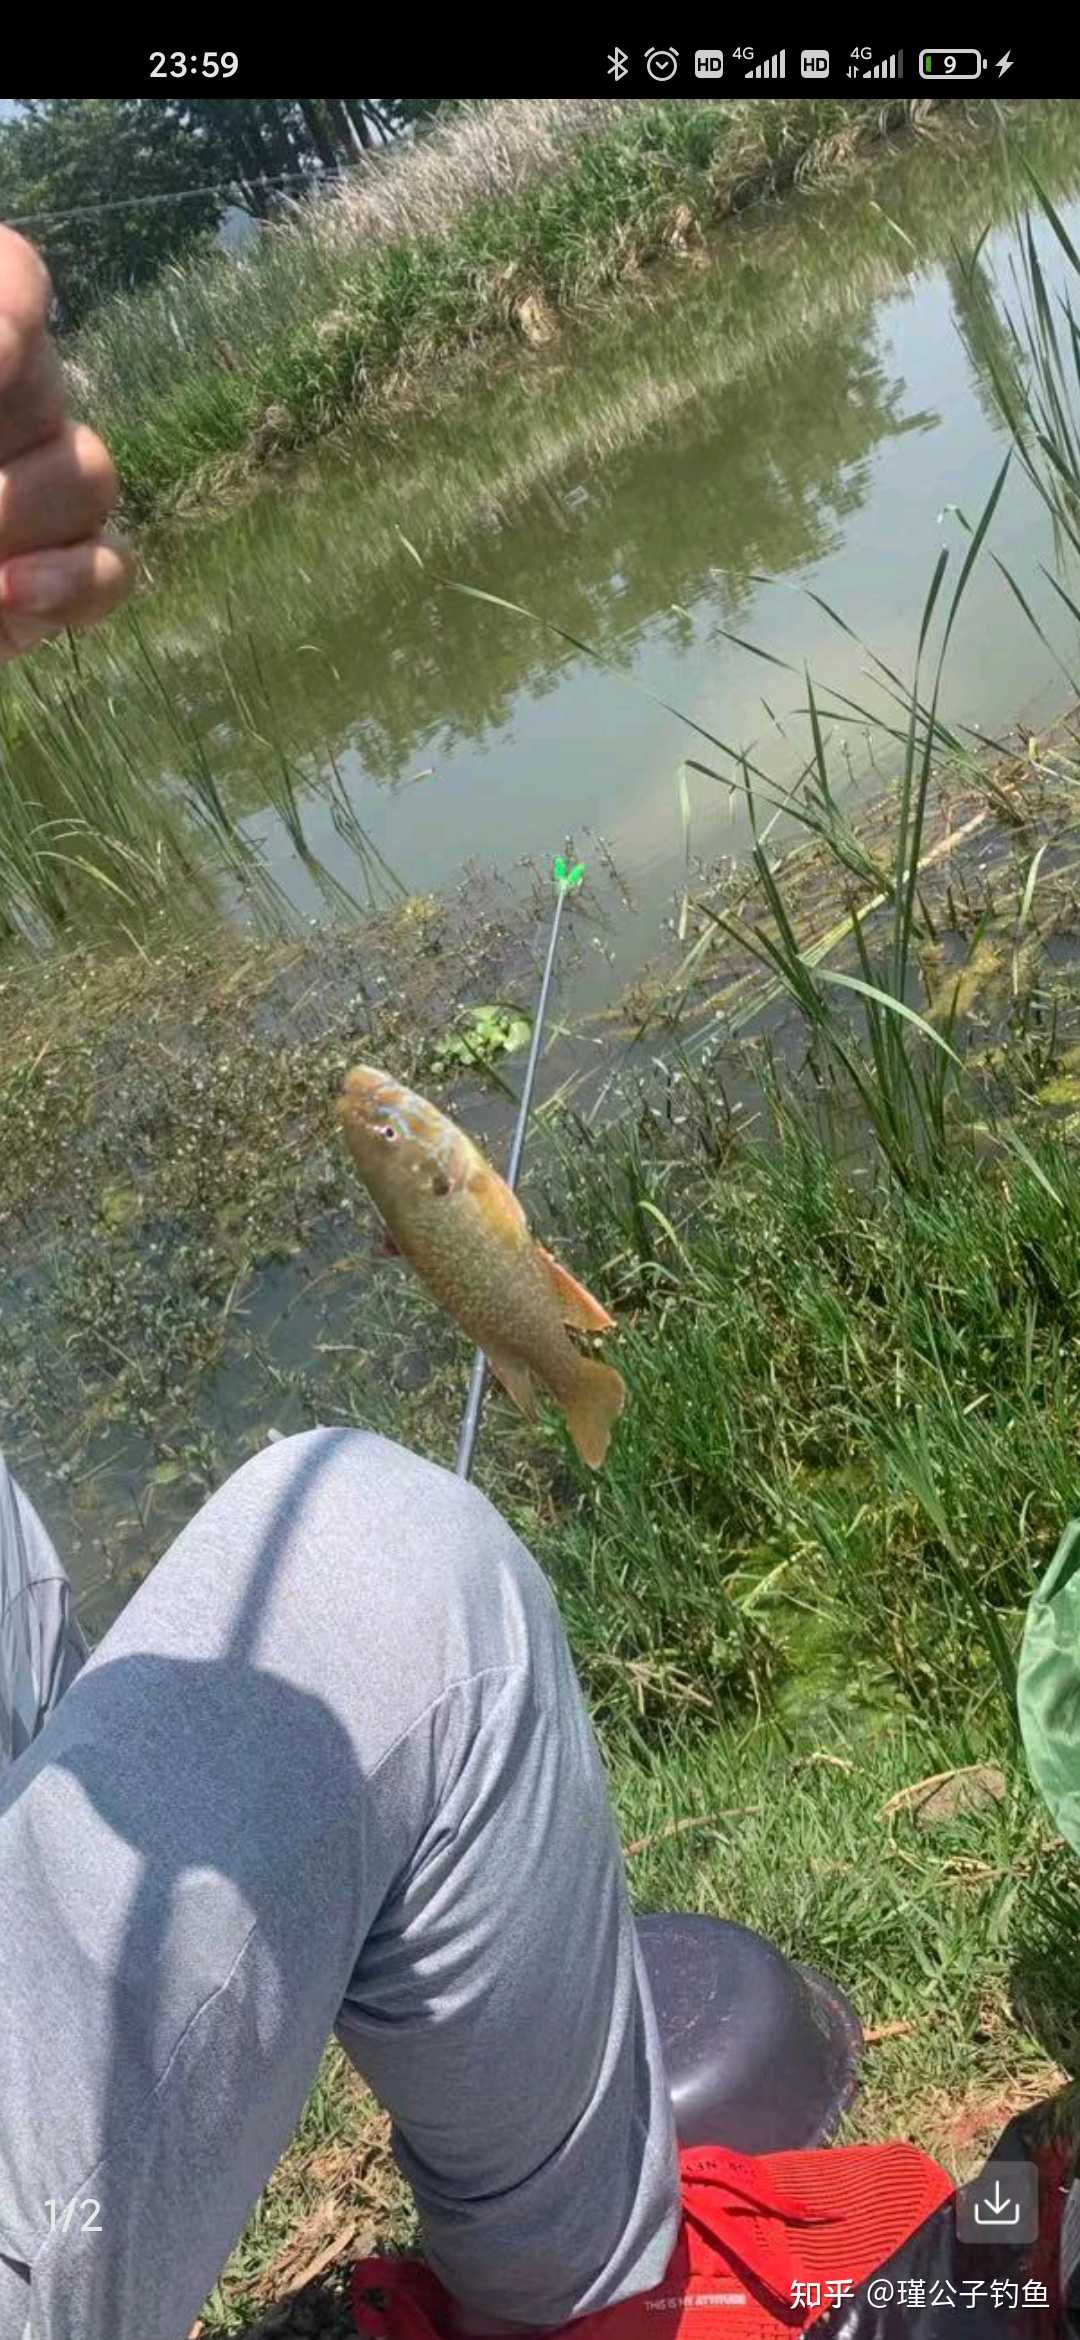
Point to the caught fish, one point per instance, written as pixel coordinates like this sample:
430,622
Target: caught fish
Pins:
458,1225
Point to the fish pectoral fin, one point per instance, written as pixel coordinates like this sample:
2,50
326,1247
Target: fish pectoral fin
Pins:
577,1306
516,1379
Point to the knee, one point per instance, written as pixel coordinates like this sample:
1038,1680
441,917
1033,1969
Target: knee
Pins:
400,1543
375,1496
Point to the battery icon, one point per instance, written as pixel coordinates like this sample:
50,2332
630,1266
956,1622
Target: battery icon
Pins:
950,64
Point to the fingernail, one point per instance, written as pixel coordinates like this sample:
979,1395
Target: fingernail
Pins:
37,587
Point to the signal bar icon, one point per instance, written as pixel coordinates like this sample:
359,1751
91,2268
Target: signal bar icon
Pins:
770,68
890,68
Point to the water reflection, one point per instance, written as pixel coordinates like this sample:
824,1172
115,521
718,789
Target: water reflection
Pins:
797,408
764,480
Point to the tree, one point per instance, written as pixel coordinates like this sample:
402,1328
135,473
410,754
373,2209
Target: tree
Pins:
318,131
271,137
420,110
259,148
87,175
112,189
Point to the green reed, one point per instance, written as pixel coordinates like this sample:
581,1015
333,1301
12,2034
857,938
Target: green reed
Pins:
118,800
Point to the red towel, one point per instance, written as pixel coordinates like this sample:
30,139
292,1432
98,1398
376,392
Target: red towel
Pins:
768,2243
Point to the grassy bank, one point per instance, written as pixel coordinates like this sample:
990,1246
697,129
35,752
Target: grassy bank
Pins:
481,230
851,1439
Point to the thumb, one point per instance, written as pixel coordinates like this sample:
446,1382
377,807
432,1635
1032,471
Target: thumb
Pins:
32,401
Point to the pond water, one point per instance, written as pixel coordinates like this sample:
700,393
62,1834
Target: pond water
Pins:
794,414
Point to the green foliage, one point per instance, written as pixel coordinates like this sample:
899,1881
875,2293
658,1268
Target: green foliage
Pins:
841,1405
149,180
1029,366
102,159
482,1035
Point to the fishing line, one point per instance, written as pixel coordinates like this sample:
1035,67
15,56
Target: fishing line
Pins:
566,878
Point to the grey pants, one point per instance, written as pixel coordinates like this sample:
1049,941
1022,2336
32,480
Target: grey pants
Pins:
330,1770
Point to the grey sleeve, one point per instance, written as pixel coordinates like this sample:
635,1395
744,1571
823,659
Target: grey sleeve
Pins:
42,1646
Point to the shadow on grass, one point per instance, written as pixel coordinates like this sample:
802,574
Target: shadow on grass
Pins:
1044,1985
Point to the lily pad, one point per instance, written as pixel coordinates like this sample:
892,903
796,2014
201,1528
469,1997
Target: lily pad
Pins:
481,1035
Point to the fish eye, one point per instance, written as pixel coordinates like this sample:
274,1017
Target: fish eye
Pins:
388,1132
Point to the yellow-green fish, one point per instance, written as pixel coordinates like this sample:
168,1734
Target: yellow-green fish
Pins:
457,1223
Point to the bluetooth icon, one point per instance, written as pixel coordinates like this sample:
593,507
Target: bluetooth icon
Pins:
618,64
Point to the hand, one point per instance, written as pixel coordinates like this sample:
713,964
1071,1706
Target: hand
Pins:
58,567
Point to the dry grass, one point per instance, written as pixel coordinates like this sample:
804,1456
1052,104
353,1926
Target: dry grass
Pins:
335,2196
484,154
492,153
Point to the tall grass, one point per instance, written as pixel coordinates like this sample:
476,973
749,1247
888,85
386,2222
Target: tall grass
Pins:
1028,348
433,253
81,835
843,1401
899,1067
113,805
417,192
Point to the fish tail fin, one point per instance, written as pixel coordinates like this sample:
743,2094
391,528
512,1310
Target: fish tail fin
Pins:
592,1408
